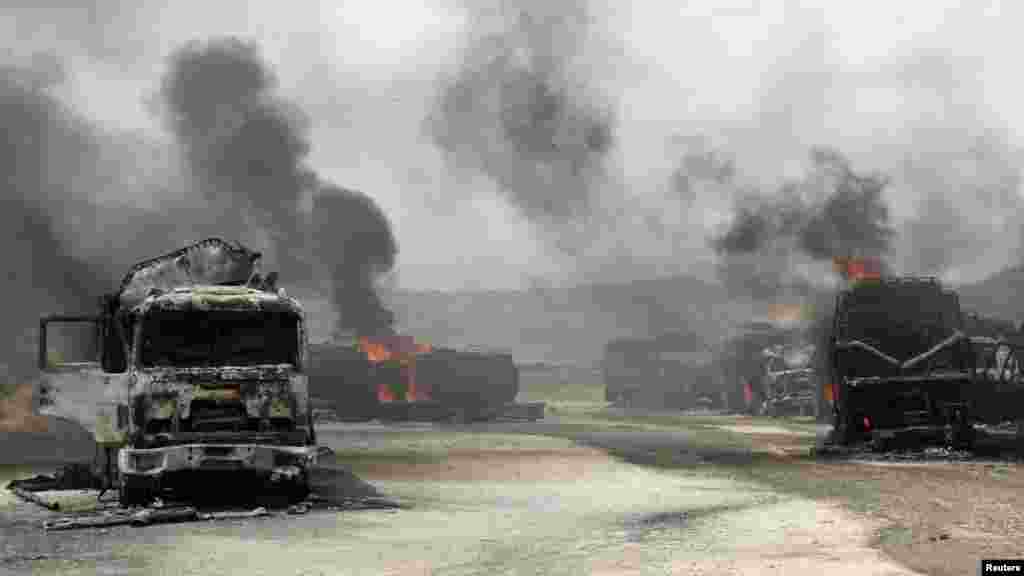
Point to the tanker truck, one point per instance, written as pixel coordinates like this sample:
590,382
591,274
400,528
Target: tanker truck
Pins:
198,371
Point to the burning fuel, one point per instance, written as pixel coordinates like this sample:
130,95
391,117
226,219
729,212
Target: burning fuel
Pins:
395,359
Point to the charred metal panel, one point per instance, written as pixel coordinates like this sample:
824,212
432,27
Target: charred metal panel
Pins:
209,262
89,396
264,391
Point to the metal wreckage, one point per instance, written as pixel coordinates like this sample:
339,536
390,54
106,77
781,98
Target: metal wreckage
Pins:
896,361
393,378
764,369
906,362
195,368
198,368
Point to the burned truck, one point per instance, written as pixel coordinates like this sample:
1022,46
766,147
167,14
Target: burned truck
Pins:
199,370
901,364
672,370
789,381
394,378
743,366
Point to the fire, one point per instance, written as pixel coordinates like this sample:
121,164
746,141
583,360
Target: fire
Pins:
857,269
400,351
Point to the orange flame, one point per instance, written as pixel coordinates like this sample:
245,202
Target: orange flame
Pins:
829,393
403,350
857,269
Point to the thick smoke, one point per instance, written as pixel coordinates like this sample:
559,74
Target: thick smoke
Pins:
833,212
246,151
245,148
516,112
355,243
46,152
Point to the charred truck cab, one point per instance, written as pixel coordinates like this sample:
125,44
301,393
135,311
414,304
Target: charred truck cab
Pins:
200,371
901,363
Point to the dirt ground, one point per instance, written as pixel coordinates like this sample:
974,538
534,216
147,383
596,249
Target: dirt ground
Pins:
588,491
935,517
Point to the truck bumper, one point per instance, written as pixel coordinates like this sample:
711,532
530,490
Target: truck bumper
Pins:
258,458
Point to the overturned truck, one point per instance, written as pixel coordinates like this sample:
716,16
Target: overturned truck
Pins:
902,365
195,368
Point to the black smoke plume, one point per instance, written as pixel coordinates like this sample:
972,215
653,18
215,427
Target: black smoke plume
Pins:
355,243
246,150
851,221
245,147
832,212
514,112
46,150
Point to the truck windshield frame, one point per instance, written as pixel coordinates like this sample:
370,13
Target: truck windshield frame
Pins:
193,338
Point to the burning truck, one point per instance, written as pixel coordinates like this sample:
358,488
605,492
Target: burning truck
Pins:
905,361
195,367
393,377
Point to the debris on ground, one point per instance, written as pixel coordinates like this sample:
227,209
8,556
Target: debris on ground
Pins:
177,513
68,477
333,488
34,499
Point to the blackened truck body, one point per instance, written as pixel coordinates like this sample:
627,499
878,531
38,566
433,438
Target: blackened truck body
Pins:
901,361
200,369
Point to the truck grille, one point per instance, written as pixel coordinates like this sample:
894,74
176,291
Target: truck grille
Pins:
217,416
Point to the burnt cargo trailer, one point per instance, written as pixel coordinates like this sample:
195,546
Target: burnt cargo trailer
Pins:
474,384
448,383
342,377
901,363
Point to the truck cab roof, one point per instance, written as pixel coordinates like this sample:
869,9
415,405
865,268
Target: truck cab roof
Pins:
219,298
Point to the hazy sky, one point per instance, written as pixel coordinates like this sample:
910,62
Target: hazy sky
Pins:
904,87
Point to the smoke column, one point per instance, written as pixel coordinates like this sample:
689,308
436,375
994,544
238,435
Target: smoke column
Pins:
244,147
516,111
46,152
833,212
246,152
355,243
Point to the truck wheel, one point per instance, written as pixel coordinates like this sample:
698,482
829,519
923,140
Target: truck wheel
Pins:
135,491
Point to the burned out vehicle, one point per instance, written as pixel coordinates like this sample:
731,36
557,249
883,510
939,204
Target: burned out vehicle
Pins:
743,367
393,378
670,371
200,371
789,381
901,362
